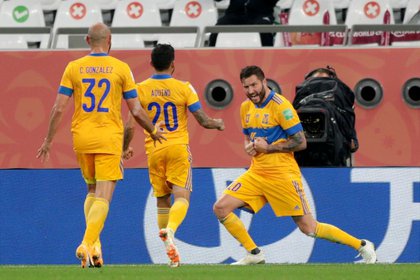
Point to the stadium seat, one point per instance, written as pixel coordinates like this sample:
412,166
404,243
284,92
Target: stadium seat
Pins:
129,13
412,8
284,4
165,4
107,4
238,40
341,4
50,5
21,13
132,41
12,42
412,16
222,5
75,13
304,12
199,13
369,12
398,4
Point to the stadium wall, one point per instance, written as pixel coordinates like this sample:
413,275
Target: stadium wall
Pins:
42,222
388,133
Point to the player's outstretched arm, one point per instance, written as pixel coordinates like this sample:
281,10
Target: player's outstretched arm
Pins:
205,121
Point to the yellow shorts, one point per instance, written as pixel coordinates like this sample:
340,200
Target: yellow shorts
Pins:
100,167
284,192
170,164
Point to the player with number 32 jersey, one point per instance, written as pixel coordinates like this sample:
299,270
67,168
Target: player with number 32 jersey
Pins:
96,82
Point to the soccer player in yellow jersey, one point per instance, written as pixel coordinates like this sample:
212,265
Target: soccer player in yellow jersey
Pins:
97,83
272,133
167,100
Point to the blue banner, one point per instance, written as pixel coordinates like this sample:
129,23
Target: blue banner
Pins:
42,221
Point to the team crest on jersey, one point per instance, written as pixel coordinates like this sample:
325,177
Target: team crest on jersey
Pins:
265,118
288,114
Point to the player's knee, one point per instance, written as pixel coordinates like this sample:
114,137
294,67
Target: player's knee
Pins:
307,230
219,210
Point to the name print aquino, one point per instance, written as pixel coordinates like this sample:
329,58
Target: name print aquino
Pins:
161,92
96,70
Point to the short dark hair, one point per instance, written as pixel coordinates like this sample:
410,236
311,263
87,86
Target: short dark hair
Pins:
252,70
162,56
327,70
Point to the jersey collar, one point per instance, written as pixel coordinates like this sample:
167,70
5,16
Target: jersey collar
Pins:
161,76
269,97
98,54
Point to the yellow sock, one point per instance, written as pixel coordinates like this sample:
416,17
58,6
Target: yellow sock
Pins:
162,217
96,220
177,213
334,234
90,198
237,229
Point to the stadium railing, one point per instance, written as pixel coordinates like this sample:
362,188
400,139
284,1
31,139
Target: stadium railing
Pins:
77,34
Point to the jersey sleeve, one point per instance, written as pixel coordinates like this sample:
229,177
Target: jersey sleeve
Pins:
66,84
193,102
289,119
129,86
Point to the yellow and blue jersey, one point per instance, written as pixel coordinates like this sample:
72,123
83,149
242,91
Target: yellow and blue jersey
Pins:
167,99
274,120
97,83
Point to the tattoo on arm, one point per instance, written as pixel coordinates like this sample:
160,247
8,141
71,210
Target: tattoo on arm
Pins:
204,120
293,142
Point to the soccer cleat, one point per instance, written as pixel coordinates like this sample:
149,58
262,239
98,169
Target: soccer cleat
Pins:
167,237
367,251
83,253
251,259
97,256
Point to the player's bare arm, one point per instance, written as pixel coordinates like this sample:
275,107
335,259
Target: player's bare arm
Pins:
55,118
205,121
294,143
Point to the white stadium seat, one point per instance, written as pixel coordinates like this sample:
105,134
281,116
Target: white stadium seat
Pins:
21,13
238,40
107,4
304,12
12,42
341,4
412,8
165,4
368,12
75,13
398,4
410,39
199,13
129,13
50,5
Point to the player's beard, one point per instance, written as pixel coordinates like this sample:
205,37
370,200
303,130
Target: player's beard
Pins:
261,96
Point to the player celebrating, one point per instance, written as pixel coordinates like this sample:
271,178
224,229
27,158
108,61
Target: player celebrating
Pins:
167,100
272,133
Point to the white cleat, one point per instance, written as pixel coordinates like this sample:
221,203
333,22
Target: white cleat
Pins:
367,252
167,237
251,259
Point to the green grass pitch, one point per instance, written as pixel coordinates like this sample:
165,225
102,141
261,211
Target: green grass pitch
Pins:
215,272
